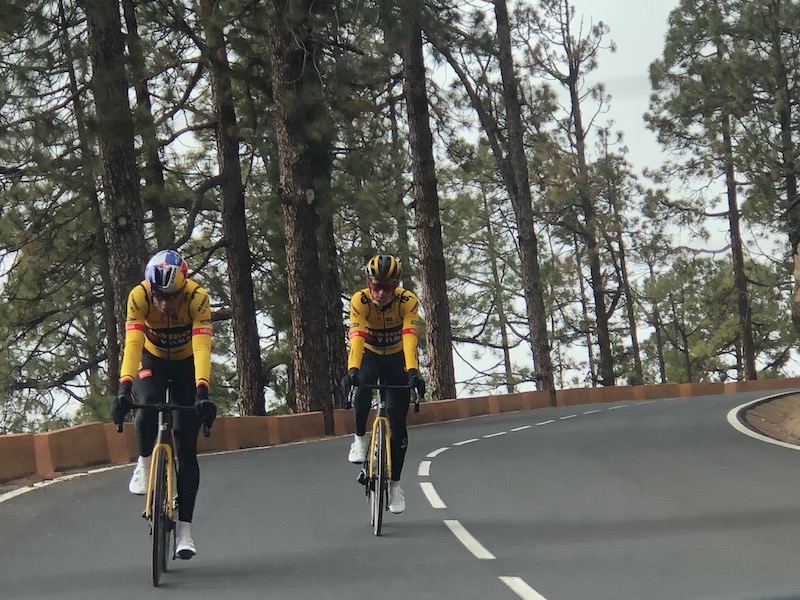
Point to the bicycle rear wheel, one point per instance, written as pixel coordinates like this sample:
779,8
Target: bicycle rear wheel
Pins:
379,484
158,516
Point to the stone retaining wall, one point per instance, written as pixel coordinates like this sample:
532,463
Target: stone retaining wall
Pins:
46,454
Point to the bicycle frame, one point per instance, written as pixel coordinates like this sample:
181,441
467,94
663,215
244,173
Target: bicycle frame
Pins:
376,477
164,443
380,417
159,505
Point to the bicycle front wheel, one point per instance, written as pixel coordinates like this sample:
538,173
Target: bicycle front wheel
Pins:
379,483
158,515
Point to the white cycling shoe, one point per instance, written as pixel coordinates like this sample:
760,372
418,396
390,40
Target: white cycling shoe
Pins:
397,499
139,480
184,544
358,449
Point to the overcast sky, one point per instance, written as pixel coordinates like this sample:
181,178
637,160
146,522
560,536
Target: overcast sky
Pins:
637,28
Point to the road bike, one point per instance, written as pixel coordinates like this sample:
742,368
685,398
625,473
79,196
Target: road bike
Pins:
376,473
160,504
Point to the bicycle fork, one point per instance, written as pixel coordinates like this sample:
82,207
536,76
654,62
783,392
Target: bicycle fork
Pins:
167,449
367,474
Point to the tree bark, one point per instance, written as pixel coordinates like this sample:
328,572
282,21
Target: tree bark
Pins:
234,222
115,134
523,208
428,221
298,105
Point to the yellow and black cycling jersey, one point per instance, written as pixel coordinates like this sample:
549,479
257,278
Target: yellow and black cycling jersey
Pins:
388,330
185,333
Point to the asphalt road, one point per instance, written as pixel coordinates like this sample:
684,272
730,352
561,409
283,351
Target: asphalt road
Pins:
638,500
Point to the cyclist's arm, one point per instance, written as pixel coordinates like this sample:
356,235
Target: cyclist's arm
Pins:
134,333
409,307
359,309
200,313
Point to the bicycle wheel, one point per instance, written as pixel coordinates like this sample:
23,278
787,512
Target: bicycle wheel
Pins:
379,485
158,516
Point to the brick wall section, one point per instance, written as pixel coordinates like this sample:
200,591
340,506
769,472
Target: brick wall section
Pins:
17,456
47,454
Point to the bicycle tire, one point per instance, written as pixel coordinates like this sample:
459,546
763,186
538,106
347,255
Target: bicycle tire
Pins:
158,516
379,483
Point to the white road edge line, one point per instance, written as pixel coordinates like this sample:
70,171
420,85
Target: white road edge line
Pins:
424,469
565,417
521,428
522,589
466,538
734,422
41,484
616,407
430,493
592,412
546,422
491,435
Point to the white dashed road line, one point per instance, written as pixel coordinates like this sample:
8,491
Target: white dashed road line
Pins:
515,584
466,538
436,453
522,589
430,493
465,442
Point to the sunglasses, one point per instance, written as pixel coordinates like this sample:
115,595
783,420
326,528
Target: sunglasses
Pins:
386,287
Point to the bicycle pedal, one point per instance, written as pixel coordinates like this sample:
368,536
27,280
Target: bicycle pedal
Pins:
363,479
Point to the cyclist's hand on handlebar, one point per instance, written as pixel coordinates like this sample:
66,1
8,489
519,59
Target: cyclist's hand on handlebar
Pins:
122,404
205,409
416,381
350,380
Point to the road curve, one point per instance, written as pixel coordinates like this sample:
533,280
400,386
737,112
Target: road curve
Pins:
636,500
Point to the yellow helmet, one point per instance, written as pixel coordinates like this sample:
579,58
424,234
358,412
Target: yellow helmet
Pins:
384,267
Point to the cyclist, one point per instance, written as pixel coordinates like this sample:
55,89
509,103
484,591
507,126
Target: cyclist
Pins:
384,320
168,337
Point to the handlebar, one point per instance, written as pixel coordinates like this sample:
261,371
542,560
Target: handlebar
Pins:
383,386
163,406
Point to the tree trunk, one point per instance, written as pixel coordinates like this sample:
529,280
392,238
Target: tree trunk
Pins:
589,234
115,133
428,222
499,302
298,108
153,193
523,209
234,222
89,188
737,252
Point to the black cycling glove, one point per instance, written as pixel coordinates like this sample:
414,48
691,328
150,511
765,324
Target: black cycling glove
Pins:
416,382
122,404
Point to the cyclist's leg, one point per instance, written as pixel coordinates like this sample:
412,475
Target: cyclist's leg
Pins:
368,373
397,402
186,426
149,387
